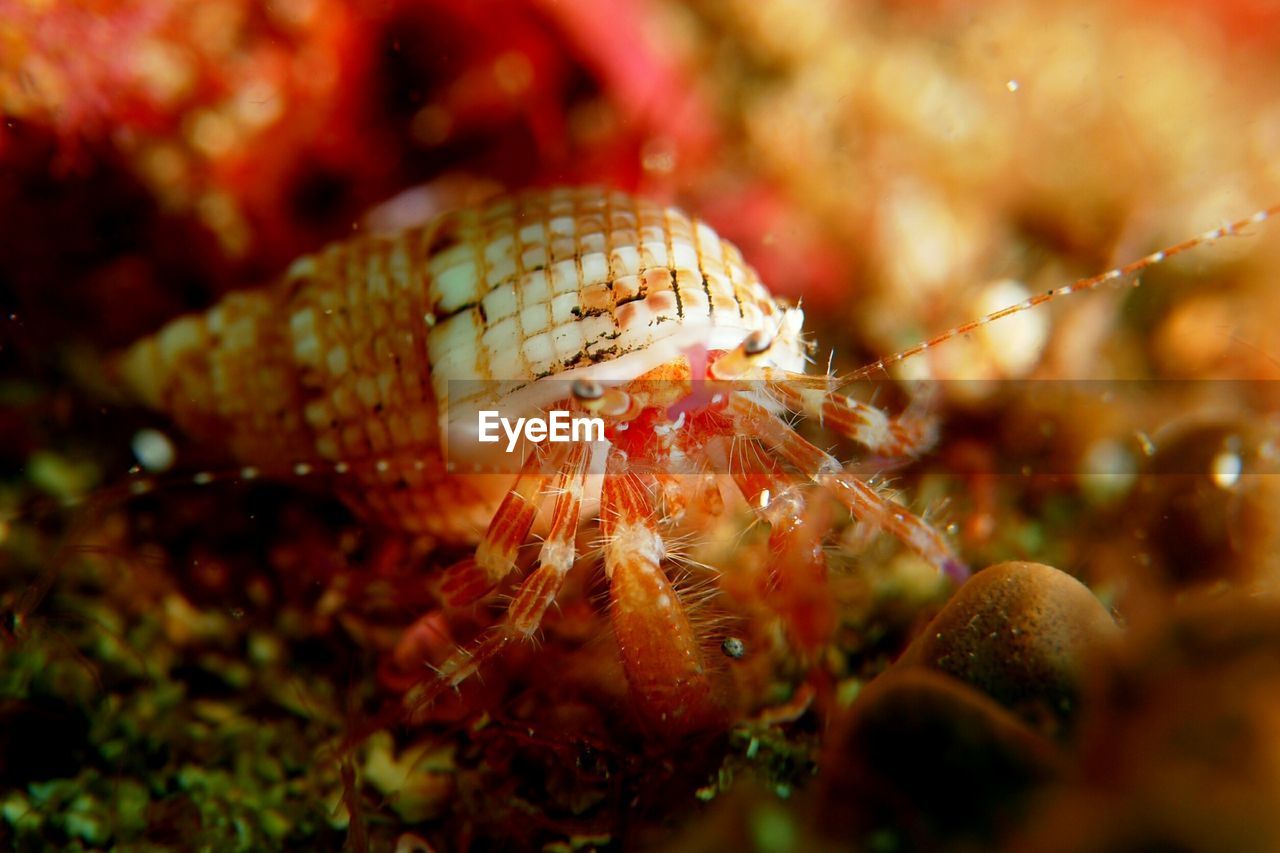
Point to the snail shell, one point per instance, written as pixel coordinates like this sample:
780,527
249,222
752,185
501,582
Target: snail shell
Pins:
348,358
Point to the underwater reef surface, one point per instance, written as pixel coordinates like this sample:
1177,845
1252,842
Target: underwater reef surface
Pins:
193,659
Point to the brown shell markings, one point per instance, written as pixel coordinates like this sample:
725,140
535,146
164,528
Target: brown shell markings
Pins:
346,361
571,299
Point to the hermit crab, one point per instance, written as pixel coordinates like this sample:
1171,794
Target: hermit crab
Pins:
369,361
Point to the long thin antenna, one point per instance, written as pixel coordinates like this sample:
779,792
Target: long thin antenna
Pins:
1230,229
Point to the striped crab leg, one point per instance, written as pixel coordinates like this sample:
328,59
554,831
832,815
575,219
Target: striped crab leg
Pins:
540,587
660,653
817,398
858,497
797,561
495,557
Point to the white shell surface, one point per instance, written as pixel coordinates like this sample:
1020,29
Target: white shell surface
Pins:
576,282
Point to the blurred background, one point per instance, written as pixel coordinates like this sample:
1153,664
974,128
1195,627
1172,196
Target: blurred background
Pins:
190,664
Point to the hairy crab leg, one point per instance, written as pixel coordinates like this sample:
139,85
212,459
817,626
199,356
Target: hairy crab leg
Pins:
673,492
660,654
859,498
495,557
817,398
539,589
797,562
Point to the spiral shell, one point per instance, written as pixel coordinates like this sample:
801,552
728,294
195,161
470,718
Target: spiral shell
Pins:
348,358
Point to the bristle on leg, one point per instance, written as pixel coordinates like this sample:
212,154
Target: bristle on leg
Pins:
660,654
539,589
859,498
799,593
535,594
817,398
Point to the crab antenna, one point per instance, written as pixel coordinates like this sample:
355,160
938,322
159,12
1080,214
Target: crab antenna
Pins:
1229,229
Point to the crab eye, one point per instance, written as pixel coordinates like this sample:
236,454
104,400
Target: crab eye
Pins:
587,390
617,404
757,343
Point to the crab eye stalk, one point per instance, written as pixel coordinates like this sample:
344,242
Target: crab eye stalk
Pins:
616,403
743,359
587,390
757,343
599,400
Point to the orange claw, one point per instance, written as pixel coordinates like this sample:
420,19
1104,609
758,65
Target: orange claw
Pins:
660,654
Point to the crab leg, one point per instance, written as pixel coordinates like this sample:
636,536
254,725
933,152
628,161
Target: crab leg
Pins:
797,565
495,556
660,654
859,498
818,399
539,589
